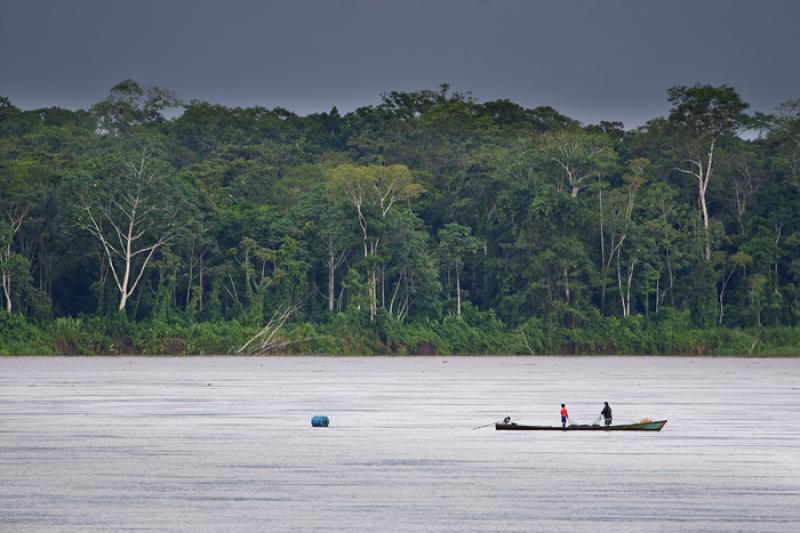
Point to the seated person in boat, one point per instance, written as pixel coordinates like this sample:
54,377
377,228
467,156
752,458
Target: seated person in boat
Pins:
606,413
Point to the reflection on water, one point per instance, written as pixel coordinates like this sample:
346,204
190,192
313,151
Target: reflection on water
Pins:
225,444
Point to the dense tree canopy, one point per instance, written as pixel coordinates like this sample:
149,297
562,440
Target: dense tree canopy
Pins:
421,209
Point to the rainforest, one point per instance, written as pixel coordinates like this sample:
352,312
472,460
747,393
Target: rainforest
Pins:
428,223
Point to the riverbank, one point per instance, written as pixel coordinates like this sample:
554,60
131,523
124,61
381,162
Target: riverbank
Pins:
342,336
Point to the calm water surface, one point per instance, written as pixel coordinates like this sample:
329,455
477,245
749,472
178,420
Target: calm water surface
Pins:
225,444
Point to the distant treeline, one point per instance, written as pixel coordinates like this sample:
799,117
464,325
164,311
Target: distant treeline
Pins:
429,223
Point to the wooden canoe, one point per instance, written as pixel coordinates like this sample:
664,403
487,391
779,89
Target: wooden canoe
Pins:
654,425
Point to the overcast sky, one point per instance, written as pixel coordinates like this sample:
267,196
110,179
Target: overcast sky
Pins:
593,60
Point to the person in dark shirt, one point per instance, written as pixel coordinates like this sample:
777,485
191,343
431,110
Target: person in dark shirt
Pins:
606,413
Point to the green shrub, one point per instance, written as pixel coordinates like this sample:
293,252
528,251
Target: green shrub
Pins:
19,337
75,336
476,332
417,338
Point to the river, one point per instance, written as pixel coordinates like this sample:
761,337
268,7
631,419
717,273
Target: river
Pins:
201,444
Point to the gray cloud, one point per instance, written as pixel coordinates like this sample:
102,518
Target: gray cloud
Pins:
594,60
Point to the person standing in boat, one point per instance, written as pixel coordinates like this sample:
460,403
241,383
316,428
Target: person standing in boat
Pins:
564,416
606,413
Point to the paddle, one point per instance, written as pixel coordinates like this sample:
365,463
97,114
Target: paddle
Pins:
493,423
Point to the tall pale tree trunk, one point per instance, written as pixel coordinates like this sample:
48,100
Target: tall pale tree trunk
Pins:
6,278
702,170
120,224
331,281
16,217
333,262
625,287
458,291
7,292
602,253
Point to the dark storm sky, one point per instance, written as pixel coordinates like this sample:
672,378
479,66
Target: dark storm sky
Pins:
593,60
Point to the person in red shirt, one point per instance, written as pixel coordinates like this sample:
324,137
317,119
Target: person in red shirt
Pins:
564,416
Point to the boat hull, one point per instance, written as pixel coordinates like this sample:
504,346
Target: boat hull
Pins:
655,425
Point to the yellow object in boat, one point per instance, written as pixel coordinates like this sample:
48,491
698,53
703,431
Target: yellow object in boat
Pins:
645,420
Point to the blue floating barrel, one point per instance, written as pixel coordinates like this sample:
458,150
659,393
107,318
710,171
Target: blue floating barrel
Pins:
320,421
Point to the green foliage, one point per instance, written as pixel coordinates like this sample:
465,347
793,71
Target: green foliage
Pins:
707,110
19,337
129,104
430,223
73,336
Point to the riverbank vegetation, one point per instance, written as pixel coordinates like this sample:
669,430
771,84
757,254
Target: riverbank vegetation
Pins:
429,223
